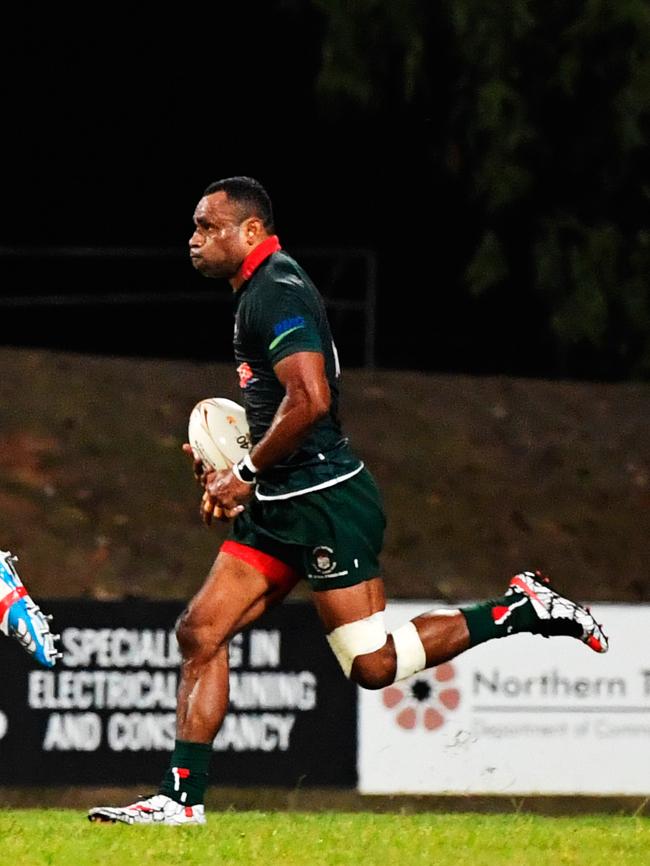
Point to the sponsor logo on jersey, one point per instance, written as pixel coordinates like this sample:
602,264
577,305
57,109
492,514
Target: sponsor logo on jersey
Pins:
286,327
245,374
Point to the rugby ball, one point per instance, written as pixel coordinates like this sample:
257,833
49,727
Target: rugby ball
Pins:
218,432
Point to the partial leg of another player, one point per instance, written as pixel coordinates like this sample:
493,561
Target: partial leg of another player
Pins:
234,594
21,618
354,621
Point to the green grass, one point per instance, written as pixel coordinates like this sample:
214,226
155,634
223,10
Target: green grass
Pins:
31,838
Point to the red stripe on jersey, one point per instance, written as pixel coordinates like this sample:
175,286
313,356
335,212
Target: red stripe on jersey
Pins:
278,572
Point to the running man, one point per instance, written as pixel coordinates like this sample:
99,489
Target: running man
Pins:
302,505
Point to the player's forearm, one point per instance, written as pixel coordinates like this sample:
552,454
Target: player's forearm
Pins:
296,416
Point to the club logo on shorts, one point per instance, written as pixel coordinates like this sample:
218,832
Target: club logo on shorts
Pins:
324,561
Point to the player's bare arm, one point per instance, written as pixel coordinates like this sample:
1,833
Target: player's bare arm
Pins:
306,401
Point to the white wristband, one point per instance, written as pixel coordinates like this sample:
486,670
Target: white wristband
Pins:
245,471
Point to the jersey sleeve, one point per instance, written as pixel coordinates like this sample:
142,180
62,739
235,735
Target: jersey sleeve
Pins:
289,324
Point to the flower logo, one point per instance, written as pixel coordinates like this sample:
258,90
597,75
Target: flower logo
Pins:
423,699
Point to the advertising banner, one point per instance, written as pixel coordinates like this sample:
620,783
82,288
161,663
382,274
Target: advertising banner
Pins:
106,713
521,715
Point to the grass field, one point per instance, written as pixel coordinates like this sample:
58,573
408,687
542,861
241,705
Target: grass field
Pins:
34,837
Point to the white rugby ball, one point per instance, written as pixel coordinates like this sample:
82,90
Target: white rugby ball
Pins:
218,432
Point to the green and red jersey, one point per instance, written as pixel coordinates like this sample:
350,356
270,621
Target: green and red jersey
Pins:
279,311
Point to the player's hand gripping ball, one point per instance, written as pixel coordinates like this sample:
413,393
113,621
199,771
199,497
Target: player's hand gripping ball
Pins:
219,437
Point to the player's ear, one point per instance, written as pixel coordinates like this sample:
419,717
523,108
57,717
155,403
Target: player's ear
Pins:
253,230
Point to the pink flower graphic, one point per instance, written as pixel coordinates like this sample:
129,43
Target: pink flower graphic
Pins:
423,698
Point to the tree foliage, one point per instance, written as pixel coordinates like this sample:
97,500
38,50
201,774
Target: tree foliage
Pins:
372,48
546,138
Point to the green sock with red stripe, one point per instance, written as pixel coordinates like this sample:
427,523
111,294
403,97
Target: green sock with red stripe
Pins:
500,617
187,776
512,614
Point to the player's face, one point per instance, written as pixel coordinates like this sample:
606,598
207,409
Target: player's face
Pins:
217,247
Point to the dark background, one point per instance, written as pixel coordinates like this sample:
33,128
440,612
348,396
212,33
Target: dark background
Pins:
494,159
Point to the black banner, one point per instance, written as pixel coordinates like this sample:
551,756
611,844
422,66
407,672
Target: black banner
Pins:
106,713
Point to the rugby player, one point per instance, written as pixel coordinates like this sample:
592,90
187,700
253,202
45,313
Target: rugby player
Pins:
302,505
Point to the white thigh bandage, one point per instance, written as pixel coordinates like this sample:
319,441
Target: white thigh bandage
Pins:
409,650
357,638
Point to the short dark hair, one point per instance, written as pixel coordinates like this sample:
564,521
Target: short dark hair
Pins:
249,194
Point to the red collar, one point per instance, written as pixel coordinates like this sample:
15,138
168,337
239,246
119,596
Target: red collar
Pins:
255,258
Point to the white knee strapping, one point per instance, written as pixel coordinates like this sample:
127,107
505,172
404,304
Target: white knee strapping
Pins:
357,638
409,650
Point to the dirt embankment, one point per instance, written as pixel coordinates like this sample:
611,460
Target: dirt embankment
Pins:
481,477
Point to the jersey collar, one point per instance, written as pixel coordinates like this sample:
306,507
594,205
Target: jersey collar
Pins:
255,258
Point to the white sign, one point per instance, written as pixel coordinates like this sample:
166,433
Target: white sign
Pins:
520,715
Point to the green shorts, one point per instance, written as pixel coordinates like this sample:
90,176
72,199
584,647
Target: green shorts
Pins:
333,536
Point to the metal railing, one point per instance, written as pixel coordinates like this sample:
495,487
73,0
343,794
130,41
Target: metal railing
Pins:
336,271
